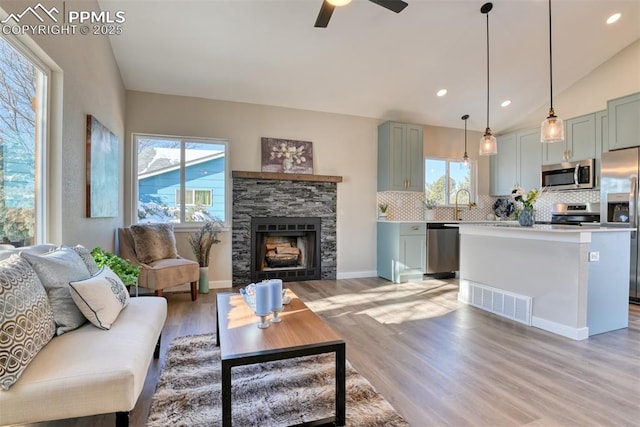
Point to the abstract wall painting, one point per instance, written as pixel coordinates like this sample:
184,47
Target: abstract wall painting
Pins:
102,171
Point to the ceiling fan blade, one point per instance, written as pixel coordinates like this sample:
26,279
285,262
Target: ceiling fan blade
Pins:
325,14
395,5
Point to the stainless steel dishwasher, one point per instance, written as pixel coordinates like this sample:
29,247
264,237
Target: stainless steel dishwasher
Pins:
443,249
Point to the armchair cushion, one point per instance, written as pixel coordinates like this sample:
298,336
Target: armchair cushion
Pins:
154,242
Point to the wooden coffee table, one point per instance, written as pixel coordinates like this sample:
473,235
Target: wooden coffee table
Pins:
301,333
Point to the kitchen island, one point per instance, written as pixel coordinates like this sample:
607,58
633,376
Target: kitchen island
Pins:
569,280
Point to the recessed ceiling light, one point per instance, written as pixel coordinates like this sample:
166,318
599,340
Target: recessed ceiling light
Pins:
339,2
442,92
614,18
505,103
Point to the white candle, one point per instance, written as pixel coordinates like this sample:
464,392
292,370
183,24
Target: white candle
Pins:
275,294
262,299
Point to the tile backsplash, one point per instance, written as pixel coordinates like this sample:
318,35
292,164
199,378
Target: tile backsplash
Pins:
407,205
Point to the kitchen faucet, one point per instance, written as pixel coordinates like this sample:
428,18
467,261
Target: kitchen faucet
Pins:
456,211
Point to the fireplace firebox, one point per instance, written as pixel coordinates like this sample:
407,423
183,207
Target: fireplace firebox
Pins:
287,248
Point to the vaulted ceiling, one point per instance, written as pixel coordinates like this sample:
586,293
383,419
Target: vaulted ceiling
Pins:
369,61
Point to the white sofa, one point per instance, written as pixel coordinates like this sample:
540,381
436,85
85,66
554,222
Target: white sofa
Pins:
88,371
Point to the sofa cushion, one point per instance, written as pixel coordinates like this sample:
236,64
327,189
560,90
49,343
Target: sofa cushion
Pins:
55,270
101,297
87,258
26,318
154,242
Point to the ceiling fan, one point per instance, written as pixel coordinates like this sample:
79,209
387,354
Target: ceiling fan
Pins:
328,5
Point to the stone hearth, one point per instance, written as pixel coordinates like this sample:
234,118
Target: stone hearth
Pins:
262,194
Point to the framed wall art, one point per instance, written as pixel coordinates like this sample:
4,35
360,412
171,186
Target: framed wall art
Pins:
287,156
102,170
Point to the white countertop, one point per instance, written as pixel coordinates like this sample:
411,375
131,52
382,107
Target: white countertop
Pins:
555,228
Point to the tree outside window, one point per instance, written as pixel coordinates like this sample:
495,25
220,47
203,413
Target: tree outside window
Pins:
444,178
22,85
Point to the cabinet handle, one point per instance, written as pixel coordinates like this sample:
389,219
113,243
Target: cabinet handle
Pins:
415,228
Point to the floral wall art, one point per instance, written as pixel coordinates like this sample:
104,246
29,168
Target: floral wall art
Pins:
102,170
287,156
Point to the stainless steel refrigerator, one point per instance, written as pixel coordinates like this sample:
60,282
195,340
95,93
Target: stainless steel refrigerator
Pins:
619,203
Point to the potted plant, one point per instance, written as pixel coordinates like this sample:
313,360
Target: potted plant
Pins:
382,211
429,206
201,242
124,269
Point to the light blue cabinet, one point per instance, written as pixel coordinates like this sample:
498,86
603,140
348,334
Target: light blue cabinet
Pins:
517,163
402,251
400,157
624,122
579,144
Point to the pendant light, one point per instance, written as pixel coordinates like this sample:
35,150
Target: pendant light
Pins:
552,128
465,158
488,143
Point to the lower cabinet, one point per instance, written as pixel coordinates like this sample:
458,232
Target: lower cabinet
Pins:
402,250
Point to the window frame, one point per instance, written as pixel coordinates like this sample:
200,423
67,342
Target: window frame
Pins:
43,137
180,226
473,177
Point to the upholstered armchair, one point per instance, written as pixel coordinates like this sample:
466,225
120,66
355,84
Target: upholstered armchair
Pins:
153,248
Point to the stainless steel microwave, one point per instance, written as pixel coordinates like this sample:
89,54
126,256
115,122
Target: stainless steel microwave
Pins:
569,175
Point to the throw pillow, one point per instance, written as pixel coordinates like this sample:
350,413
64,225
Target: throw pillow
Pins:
101,297
55,270
26,318
87,258
154,242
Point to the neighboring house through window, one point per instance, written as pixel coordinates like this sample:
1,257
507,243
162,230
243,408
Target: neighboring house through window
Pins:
180,180
445,177
23,109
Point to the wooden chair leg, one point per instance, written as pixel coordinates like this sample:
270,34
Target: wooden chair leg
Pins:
194,291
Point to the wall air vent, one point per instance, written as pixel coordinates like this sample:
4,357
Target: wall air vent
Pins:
506,304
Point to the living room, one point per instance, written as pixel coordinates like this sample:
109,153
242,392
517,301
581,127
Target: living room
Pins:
87,79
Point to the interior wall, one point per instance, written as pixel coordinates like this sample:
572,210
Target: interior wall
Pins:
86,80
617,77
342,145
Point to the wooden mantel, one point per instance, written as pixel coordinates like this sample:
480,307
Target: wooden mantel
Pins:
285,176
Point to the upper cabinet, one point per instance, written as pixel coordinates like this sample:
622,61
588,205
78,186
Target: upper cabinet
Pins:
400,157
624,122
517,163
580,142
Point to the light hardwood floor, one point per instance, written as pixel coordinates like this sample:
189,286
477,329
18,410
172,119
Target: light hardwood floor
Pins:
442,363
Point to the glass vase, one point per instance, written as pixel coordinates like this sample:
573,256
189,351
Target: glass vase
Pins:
527,217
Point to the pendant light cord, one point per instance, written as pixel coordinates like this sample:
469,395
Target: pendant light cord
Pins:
488,69
550,62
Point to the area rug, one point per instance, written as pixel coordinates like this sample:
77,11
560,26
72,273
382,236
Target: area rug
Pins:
276,394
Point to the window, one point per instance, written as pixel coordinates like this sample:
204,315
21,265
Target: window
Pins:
201,197
23,109
180,180
444,178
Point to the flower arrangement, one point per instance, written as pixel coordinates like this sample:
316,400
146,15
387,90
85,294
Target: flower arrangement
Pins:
202,240
526,198
430,203
289,154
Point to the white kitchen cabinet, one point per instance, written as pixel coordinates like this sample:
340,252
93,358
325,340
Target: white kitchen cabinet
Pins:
517,163
400,157
402,250
624,122
579,143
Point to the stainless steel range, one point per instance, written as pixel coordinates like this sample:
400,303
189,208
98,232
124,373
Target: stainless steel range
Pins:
575,213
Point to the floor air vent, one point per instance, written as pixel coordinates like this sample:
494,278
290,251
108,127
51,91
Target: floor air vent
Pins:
512,306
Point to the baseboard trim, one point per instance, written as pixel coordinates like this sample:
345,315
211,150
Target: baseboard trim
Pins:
356,274
577,334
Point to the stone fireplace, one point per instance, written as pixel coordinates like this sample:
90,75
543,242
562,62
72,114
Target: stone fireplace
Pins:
284,226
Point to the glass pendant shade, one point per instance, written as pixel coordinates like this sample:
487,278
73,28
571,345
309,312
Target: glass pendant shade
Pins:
465,159
552,129
488,144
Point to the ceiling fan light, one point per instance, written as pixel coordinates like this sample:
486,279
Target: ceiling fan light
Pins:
488,144
552,129
339,2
